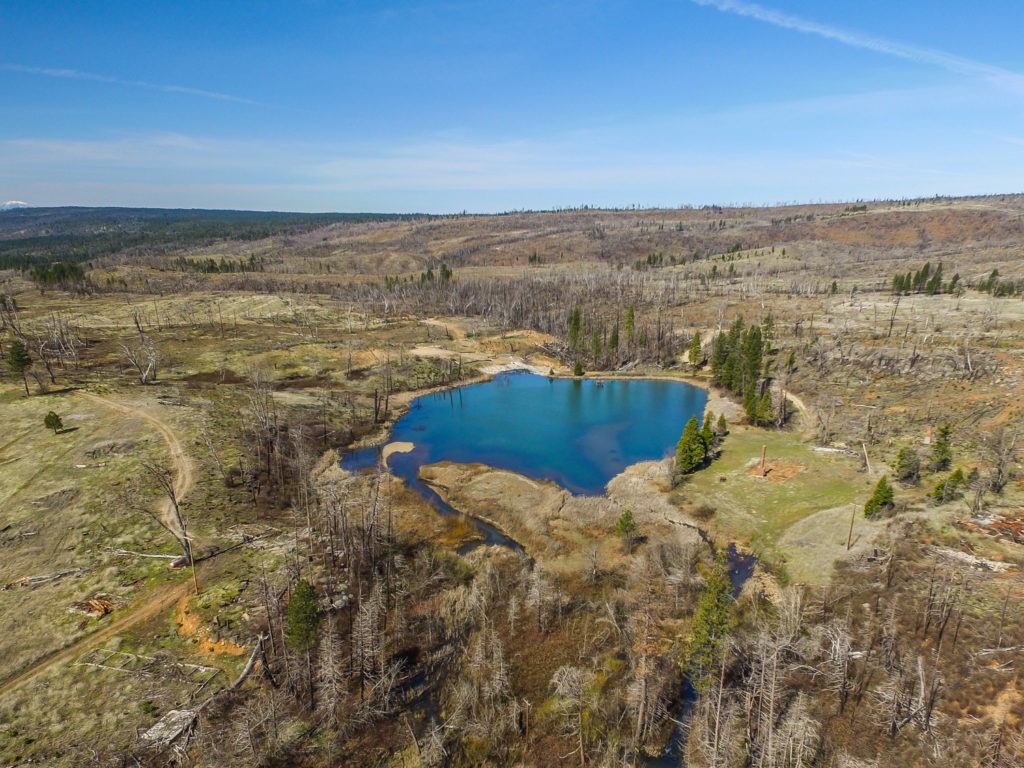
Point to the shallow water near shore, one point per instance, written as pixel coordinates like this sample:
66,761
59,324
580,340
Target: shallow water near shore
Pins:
578,433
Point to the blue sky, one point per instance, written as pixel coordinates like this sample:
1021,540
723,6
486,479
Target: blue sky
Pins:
484,106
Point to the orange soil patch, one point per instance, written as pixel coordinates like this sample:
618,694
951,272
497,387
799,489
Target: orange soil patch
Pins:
778,471
189,625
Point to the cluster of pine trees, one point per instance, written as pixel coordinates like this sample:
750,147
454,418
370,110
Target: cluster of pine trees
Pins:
998,287
65,275
208,266
699,444
924,280
738,365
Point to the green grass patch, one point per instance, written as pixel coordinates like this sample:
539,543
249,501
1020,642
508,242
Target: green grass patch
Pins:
757,510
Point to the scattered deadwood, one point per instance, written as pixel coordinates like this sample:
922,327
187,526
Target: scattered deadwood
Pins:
992,651
115,551
170,728
98,606
972,560
257,654
1007,527
179,724
34,581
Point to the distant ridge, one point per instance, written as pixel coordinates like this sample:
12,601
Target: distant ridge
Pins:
11,205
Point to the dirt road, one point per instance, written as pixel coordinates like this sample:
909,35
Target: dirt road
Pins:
153,604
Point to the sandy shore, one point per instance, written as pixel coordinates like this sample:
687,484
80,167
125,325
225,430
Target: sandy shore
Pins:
396,447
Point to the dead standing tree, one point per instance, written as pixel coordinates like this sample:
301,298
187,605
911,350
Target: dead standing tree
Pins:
171,518
144,356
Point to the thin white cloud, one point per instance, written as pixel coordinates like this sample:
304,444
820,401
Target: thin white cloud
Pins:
74,74
693,159
1000,76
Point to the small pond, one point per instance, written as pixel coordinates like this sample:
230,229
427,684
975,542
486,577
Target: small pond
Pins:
579,433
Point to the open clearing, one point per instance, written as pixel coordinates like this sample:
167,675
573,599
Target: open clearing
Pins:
791,519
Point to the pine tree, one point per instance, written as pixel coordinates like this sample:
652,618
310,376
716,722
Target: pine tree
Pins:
712,622
881,500
302,619
625,527
575,328
690,449
766,409
53,421
719,354
19,361
942,449
908,465
707,435
947,489
752,355
696,354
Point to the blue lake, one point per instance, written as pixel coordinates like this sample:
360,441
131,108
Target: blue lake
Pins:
579,433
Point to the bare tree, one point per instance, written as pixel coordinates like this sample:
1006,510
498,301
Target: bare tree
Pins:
573,689
144,358
171,519
1001,447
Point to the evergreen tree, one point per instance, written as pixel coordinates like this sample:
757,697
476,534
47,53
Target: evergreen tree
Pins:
690,449
719,354
707,436
575,328
765,409
712,622
947,489
908,465
942,449
625,527
696,354
53,421
722,427
19,361
302,618
752,355
881,500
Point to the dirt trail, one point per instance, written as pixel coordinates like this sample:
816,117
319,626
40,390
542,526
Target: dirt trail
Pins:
805,412
180,463
154,603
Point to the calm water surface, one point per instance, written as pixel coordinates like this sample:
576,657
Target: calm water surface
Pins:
578,433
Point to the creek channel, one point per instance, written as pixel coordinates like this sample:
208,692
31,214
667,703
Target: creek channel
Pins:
578,433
